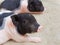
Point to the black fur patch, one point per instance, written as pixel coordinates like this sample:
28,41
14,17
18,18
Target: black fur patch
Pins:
10,4
35,6
2,16
25,23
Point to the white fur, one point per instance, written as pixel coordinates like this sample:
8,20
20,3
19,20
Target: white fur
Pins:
24,2
4,11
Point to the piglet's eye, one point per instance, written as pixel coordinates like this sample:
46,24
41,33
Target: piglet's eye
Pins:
25,21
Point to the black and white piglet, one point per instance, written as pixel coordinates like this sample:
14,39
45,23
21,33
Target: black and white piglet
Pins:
15,27
23,6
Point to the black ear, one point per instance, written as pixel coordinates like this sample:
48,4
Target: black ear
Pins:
15,20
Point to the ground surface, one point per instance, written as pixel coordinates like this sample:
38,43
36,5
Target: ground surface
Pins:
50,19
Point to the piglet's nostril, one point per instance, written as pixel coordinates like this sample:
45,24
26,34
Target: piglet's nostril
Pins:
37,25
39,28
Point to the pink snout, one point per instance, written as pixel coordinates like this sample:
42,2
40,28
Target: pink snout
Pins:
39,28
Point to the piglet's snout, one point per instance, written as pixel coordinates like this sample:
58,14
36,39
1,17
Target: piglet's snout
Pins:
39,28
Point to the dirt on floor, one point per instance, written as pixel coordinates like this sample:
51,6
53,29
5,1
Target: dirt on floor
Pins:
50,19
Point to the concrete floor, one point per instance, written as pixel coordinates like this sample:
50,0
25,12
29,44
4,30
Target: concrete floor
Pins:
50,19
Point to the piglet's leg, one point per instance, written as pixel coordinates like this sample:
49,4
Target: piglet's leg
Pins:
3,37
27,39
33,39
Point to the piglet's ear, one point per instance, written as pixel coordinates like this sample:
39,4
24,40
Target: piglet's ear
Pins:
15,19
